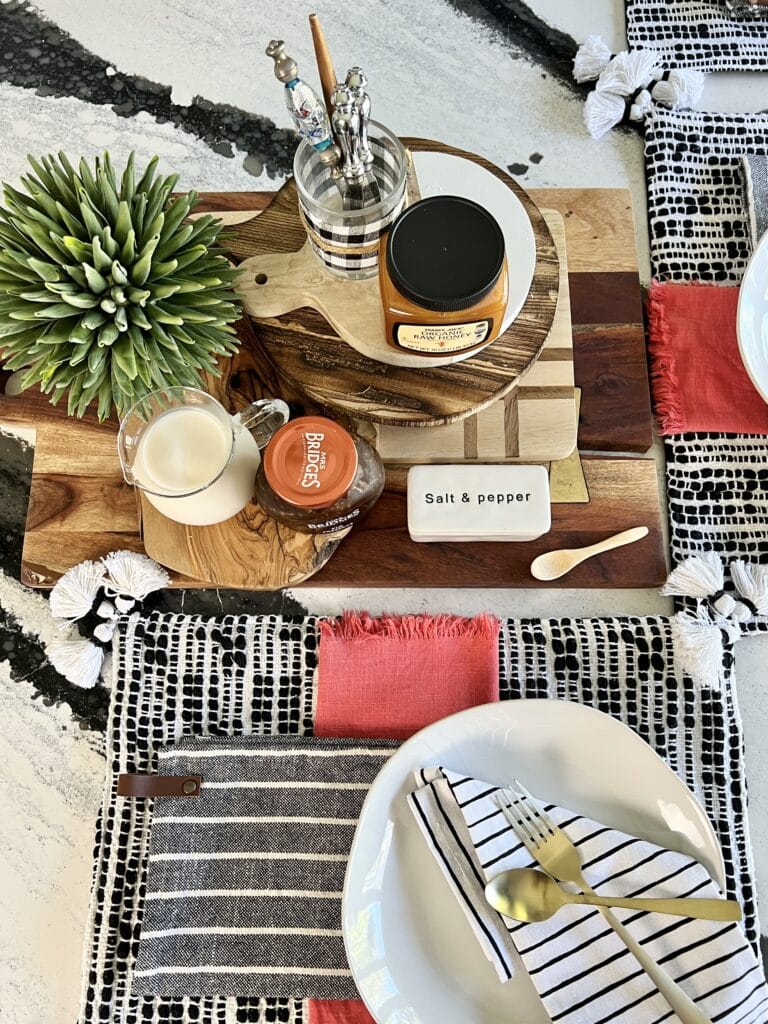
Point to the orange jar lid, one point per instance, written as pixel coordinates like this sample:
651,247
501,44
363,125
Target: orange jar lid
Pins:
311,462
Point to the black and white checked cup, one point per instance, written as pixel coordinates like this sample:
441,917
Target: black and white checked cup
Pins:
347,241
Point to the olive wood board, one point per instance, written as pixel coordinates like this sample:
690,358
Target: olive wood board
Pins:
311,358
80,507
250,551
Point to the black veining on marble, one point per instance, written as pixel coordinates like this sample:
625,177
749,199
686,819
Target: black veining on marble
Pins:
27,659
15,471
35,54
550,47
519,25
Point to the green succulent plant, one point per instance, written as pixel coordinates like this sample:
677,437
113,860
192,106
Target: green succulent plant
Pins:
107,291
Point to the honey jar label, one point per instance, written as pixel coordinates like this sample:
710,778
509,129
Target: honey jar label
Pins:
440,338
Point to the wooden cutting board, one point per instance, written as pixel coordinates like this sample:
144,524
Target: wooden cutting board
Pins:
534,422
346,381
81,508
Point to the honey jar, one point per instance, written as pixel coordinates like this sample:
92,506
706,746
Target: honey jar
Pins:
316,477
443,277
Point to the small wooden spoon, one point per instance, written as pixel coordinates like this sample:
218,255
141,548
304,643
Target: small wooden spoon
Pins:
554,564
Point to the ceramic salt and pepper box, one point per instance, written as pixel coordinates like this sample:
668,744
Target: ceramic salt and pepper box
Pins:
478,503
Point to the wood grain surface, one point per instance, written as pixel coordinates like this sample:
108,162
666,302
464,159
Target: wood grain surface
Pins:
622,493
534,422
308,354
81,508
251,550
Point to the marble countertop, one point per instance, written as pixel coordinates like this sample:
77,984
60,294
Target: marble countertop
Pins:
189,81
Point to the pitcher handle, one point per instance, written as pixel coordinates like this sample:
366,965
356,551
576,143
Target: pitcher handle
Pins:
263,418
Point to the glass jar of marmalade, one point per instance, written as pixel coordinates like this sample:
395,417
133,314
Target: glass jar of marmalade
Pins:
316,477
443,277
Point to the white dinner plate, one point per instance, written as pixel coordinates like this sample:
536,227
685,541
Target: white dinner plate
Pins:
413,955
752,318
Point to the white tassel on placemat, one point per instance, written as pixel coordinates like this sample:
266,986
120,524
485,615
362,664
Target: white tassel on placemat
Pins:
628,84
132,576
698,576
123,577
751,581
73,595
591,59
79,661
699,646
679,87
718,613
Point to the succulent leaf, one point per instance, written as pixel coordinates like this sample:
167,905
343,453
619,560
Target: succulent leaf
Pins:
107,290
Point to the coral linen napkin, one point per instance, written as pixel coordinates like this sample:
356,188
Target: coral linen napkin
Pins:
388,678
697,377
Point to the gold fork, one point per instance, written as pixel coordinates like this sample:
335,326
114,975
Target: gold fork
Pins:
551,848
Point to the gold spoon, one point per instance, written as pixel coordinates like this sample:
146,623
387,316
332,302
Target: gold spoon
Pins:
554,564
525,894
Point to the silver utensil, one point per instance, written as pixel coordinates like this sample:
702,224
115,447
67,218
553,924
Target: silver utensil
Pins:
346,127
555,853
357,83
358,184
303,104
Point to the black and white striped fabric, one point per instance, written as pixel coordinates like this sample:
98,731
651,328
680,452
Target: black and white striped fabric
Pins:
349,243
182,675
698,213
703,34
244,882
746,9
582,970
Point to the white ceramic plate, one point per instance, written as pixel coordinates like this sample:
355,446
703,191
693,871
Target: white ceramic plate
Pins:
752,318
413,955
444,174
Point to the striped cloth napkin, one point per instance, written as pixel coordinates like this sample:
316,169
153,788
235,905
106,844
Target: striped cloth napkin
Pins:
581,969
754,177
244,882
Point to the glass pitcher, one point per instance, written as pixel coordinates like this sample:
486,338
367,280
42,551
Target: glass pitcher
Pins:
194,461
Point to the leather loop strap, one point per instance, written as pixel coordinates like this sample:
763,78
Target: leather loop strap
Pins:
145,785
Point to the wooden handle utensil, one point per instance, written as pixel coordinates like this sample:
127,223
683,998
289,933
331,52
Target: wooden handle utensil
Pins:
324,61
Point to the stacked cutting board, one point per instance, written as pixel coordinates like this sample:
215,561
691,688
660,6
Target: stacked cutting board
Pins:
81,508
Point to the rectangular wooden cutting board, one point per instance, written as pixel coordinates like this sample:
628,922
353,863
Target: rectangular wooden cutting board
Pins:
81,508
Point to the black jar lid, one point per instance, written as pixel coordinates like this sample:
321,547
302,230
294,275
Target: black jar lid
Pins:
445,253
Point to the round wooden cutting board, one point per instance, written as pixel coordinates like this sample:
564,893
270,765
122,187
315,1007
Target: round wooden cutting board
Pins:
310,356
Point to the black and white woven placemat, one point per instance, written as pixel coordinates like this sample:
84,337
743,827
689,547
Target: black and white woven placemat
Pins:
697,214
698,34
181,675
717,496
717,484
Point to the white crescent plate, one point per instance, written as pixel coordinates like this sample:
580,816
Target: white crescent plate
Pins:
412,953
752,318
